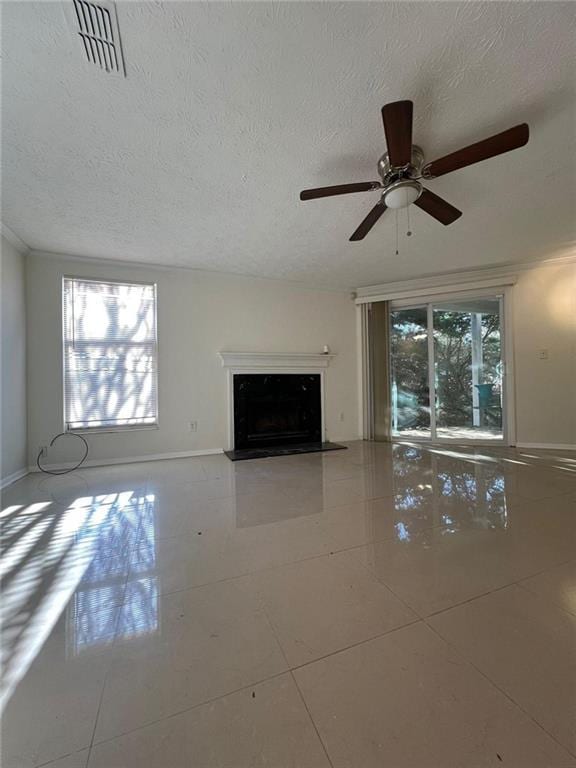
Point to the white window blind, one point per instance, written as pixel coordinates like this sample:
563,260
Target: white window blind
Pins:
110,354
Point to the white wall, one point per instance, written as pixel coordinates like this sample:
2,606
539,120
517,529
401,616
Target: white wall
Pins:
544,318
199,314
13,360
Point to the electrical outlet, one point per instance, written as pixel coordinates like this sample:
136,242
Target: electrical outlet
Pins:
43,450
193,426
543,354
341,416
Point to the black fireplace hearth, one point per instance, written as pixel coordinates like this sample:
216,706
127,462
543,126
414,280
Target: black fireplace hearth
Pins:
276,414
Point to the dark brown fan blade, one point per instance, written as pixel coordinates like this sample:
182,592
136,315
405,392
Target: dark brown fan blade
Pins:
342,189
369,221
437,207
397,118
511,139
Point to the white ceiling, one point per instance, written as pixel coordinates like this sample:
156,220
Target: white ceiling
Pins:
230,109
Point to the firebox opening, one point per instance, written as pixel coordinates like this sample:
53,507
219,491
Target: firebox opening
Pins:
277,409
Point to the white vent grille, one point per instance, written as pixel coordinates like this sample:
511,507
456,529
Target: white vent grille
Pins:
97,27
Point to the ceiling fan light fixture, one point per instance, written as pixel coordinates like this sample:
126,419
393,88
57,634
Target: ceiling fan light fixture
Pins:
402,193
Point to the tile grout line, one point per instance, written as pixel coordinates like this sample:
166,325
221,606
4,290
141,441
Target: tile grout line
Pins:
303,700
517,583
463,655
320,739
417,620
187,709
61,757
324,554
88,747
246,574
289,669
554,604
335,551
463,602
106,675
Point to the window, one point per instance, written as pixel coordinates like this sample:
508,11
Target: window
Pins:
110,354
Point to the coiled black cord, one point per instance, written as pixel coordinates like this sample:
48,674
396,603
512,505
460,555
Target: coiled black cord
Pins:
63,471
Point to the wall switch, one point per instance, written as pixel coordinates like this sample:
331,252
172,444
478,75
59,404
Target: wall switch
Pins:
341,416
543,354
193,426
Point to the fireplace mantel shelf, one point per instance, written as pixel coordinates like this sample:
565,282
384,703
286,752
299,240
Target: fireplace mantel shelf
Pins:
275,360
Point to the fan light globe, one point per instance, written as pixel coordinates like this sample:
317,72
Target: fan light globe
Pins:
402,194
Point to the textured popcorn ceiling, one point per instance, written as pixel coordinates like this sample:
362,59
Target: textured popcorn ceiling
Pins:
230,109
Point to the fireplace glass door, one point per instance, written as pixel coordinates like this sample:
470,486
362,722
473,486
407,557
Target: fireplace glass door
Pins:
276,409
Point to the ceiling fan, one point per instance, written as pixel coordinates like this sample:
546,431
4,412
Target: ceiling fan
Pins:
402,167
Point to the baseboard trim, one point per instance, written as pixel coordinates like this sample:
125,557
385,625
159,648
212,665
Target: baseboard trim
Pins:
9,479
133,459
548,446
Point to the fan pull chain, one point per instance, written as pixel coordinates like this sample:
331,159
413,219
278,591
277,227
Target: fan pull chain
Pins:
409,232
396,212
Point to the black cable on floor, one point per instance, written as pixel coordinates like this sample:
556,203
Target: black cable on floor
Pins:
63,471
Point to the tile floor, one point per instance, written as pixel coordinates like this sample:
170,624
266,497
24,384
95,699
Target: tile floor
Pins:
387,605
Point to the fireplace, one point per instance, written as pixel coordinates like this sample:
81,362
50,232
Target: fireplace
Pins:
276,409
276,402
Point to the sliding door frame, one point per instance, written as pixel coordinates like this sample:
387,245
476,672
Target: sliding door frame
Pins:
431,370
504,294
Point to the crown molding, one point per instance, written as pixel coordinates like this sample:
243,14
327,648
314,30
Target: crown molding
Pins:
470,279
201,271
507,274
13,238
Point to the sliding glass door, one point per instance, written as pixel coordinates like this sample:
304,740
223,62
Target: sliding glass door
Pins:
447,372
410,396
468,369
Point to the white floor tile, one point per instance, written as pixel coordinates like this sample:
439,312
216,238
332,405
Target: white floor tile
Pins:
527,647
322,605
264,725
406,699
435,569
54,709
192,647
557,584
211,554
136,592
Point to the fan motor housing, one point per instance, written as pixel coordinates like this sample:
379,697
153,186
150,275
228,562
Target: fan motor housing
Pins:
389,174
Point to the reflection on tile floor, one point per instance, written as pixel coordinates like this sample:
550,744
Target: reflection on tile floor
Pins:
453,433
388,605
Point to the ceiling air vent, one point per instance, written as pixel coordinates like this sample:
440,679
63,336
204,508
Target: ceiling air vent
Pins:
97,28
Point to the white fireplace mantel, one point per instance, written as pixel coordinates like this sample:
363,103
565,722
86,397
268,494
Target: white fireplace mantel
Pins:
266,361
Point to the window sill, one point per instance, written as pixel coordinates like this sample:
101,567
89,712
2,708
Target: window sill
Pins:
111,430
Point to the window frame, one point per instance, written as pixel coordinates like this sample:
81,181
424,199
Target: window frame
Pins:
120,427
